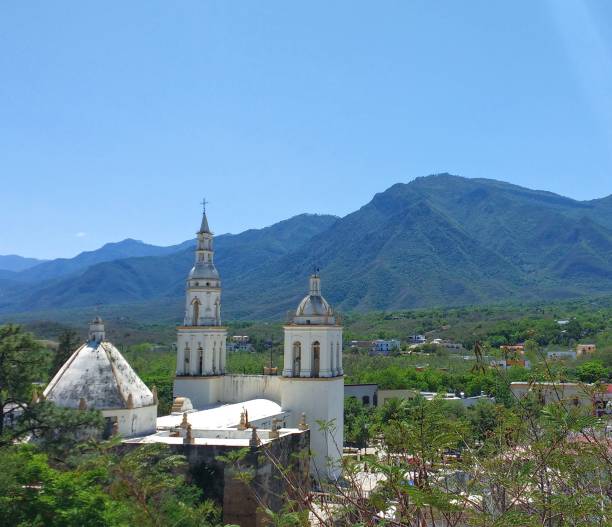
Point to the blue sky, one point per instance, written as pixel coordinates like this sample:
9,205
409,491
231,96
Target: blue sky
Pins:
117,117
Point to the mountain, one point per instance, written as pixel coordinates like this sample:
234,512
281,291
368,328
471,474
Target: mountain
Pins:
14,263
446,240
59,267
144,278
439,240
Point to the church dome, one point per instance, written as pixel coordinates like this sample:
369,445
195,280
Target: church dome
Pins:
99,377
204,270
313,305
314,309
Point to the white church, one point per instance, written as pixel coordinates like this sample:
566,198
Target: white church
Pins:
311,386
212,408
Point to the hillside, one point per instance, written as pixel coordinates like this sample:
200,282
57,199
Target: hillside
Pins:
437,241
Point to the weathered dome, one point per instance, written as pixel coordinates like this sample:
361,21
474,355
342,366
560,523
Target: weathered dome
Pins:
97,376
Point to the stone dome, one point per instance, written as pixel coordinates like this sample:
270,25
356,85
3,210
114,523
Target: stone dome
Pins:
313,306
204,270
314,309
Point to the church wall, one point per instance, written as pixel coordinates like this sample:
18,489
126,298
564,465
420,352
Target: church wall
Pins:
238,388
202,391
321,400
238,499
134,422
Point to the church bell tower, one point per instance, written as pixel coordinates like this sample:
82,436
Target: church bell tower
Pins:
200,343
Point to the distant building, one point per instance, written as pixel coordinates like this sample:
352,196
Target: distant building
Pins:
514,349
504,364
363,345
240,343
379,346
385,346
561,355
449,345
582,349
417,339
367,394
386,395
592,396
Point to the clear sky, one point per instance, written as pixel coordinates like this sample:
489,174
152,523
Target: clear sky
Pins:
116,118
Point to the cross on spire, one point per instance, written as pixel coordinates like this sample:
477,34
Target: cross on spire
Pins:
204,203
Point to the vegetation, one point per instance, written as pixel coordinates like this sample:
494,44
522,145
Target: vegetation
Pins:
51,476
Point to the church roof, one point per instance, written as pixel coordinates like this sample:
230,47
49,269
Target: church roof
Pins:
97,373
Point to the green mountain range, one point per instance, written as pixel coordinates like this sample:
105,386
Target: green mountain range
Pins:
440,240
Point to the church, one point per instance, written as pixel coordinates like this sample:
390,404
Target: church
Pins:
310,388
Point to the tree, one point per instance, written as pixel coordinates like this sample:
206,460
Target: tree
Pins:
68,342
592,371
22,363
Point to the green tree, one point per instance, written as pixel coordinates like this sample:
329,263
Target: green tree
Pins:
592,371
67,345
23,362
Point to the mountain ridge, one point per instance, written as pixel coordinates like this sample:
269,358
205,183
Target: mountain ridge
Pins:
438,240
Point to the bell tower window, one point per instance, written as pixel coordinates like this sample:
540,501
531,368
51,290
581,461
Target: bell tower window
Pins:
196,312
297,359
316,358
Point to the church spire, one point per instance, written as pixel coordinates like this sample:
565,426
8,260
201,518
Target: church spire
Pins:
204,226
203,283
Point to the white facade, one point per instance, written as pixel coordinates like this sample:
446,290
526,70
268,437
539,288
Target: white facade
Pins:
312,382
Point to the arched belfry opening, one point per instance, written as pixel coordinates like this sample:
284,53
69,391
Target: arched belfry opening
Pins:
297,359
316,359
196,312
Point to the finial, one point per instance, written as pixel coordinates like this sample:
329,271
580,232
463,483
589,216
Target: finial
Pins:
115,430
184,422
254,441
188,436
242,425
204,203
82,404
303,425
246,418
130,401
274,431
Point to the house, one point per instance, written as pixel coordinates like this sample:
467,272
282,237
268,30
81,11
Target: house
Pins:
582,349
592,396
504,364
240,343
363,345
385,346
449,345
417,339
366,393
514,349
561,355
